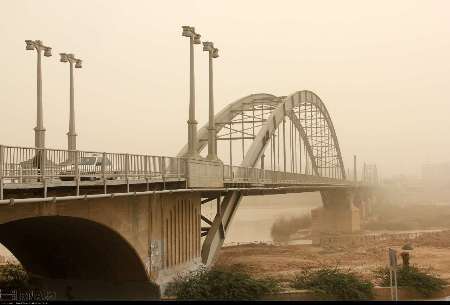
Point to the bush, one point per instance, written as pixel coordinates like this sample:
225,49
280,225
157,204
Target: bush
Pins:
220,285
407,247
421,280
333,283
283,228
13,276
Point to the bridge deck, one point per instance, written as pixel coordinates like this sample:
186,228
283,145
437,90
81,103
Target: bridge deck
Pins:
41,173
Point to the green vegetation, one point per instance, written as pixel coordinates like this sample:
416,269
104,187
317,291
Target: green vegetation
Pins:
283,227
220,284
13,276
334,283
421,280
407,247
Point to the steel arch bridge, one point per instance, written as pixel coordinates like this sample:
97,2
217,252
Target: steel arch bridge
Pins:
295,131
152,205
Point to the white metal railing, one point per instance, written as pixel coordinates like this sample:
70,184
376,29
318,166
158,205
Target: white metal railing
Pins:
238,174
29,165
22,165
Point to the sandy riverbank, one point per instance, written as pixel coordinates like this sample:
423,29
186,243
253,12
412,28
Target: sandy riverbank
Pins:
283,261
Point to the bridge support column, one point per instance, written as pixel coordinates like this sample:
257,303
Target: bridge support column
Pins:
364,200
337,216
174,228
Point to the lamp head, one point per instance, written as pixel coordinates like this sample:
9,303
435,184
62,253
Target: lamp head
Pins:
30,45
215,53
208,46
63,57
197,38
188,31
78,63
47,51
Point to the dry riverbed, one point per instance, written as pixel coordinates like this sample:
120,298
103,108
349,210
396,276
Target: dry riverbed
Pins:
283,261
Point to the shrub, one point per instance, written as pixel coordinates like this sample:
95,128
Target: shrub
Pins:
422,280
13,276
333,283
283,227
407,247
220,284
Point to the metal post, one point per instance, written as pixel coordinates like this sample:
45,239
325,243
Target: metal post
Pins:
231,153
299,143
103,172
39,130
2,157
212,53
243,135
163,170
146,170
194,38
127,168
43,166
77,172
284,144
71,134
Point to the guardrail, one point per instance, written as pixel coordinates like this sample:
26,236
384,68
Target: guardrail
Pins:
239,174
20,165
25,165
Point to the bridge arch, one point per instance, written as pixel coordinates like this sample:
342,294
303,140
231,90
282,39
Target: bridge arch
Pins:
322,118
309,117
227,114
63,247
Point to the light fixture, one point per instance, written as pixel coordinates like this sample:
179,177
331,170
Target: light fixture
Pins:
63,57
47,52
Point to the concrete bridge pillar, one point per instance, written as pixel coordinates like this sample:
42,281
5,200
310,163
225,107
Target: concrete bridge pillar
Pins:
364,200
337,216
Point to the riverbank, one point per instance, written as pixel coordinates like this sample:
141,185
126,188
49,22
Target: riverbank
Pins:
283,261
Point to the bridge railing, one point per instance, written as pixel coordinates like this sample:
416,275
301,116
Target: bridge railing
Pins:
239,174
29,165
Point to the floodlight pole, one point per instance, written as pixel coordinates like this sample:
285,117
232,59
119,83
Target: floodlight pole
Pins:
71,135
212,145
194,38
39,130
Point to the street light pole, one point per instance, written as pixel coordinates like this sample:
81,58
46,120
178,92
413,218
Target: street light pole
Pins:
194,38
39,130
212,147
71,135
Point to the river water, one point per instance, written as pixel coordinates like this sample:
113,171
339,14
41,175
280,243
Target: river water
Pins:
256,214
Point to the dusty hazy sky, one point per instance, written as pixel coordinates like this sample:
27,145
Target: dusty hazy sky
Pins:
381,67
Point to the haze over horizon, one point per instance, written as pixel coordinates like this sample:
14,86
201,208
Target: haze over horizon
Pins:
381,68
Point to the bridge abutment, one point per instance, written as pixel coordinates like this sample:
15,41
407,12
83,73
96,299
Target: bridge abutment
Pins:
337,216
